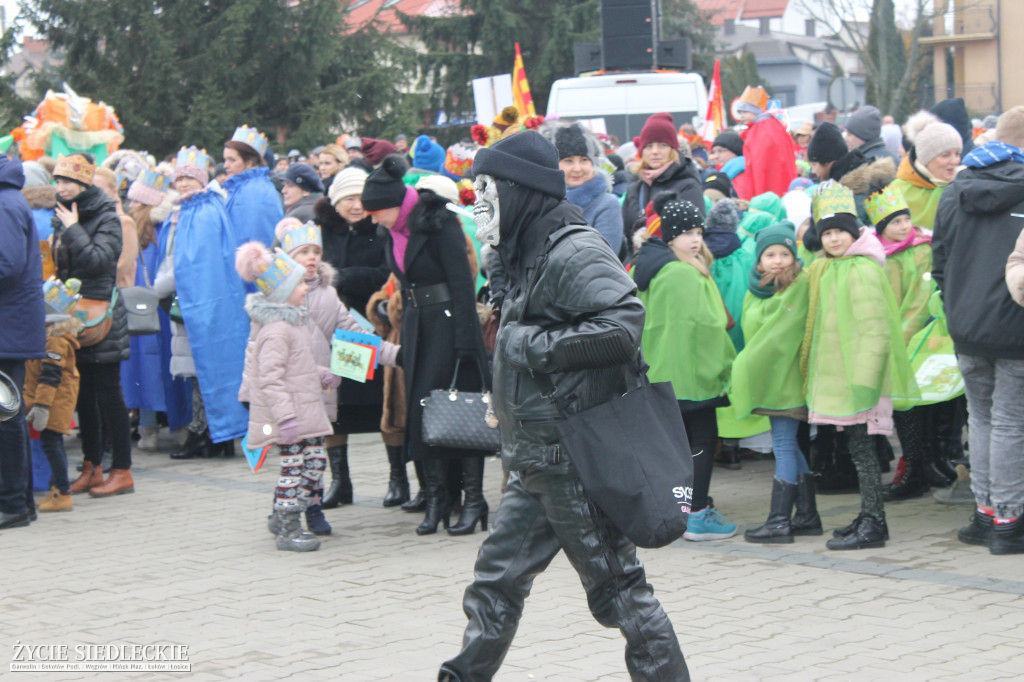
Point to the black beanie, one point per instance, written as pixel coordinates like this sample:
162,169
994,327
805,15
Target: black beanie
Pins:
719,181
384,187
677,215
838,221
525,158
954,112
827,144
731,140
570,141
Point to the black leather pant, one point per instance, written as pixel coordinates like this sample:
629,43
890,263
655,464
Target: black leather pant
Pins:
544,511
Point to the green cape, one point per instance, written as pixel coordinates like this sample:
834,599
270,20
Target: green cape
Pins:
853,352
922,201
730,274
910,274
934,361
684,339
766,374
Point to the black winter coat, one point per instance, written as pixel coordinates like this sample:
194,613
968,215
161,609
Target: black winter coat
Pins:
977,224
683,179
435,335
357,254
571,326
89,250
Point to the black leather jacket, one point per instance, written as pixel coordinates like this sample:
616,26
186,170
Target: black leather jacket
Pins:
573,326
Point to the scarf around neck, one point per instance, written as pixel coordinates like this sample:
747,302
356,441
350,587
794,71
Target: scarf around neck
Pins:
400,231
913,239
768,290
649,175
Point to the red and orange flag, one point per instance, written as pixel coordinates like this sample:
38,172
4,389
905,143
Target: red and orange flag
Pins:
521,97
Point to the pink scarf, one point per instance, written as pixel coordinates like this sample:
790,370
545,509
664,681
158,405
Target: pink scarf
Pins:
913,239
651,174
399,232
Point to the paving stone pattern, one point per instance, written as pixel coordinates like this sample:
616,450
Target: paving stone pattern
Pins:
187,560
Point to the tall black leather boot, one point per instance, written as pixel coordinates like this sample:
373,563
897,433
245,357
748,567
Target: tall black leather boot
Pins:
340,491
196,445
806,520
439,504
418,503
475,507
776,529
398,483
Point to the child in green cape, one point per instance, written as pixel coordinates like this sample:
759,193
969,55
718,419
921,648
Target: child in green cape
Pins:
908,267
766,378
853,356
685,341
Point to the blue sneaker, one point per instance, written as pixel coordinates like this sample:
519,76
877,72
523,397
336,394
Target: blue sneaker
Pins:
708,524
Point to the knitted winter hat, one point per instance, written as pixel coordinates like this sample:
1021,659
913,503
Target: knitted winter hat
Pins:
375,150
276,275
441,186
936,139
192,163
865,123
783,233
427,154
505,118
884,205
304,177
833,208
150,188
36,174
526,158
724,216
1009,129
677,215
77,168
384,187
571,141
720,183
292,235
347,181
659,128
827,144
954,112
731,140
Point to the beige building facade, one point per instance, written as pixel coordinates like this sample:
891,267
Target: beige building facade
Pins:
979,53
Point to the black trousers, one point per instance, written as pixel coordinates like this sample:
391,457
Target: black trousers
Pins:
15,455
702,432
544,511
101,406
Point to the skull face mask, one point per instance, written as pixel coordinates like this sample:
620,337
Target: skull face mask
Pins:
485,211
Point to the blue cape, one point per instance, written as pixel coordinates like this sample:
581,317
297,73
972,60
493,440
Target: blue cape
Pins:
177,390
254,206
142,380
212,301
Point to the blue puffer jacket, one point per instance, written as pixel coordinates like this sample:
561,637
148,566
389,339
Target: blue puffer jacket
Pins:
22,321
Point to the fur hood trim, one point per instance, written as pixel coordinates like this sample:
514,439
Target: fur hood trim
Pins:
70,328
41,197
918,122
263,312
874,175
429,214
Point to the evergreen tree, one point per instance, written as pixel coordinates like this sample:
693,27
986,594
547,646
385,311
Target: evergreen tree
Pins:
190,71
889,59
737,72
684,18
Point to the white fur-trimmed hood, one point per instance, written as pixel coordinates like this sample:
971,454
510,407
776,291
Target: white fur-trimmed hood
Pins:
263,312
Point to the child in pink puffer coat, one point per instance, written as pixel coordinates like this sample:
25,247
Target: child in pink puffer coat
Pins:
284,385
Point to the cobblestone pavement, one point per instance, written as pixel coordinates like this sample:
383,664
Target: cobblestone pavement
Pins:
187,560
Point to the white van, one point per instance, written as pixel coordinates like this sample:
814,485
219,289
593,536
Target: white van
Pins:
625,100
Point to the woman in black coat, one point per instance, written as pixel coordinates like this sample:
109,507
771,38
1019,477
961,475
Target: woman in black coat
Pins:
87,243
355,250
426,251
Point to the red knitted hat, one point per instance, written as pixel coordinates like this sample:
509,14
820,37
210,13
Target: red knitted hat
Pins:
659,128
376,150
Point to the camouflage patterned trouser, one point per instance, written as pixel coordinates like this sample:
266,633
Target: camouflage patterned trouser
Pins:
865,458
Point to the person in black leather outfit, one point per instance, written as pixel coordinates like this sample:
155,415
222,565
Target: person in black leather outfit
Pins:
570,320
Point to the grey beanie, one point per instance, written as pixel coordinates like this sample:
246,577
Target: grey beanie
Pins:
35,174
865,123
724,216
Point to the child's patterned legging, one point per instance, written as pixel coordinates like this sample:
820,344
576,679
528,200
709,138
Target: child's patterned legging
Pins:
302,470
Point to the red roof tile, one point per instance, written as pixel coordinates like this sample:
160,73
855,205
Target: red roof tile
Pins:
360,12
720,10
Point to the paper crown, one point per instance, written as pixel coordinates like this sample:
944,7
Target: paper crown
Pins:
884,203
757,96
301,236
75,167
193,156
831,198
149,188
279,270
458,159
60,298
251,137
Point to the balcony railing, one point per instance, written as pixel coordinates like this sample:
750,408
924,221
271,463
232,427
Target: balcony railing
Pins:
975,21
980,98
